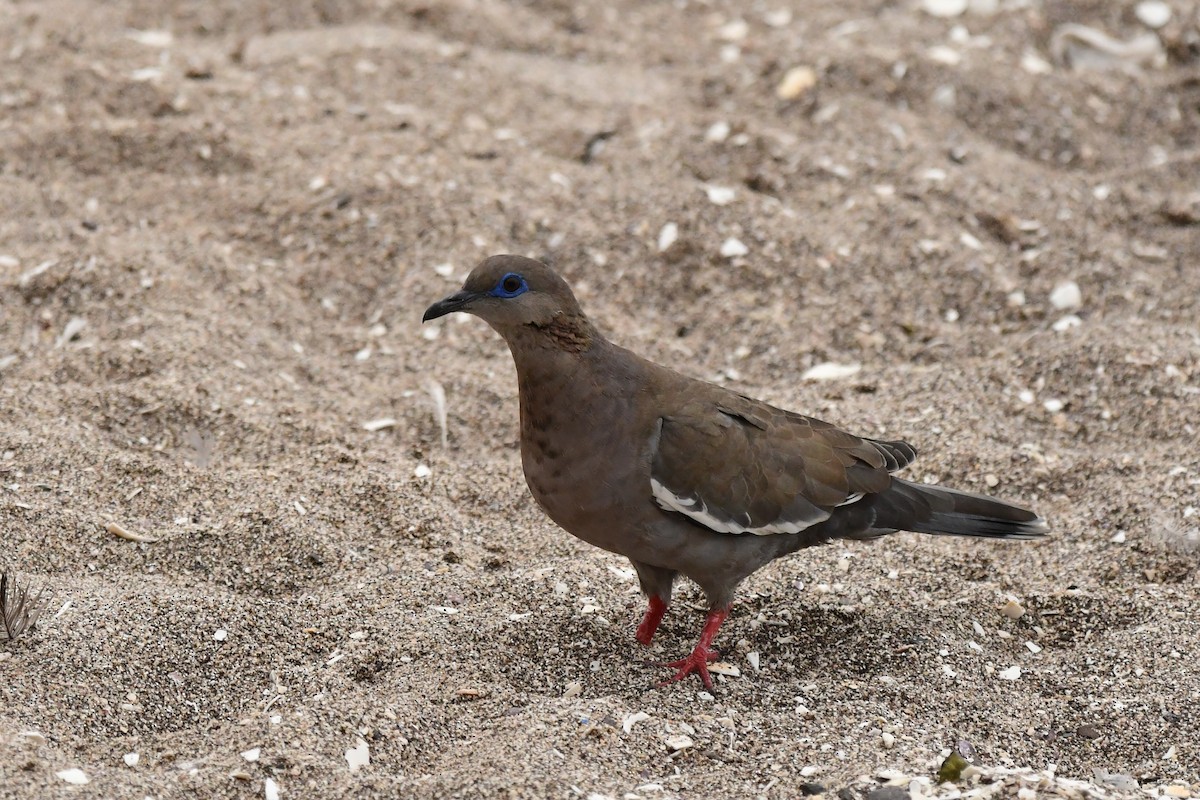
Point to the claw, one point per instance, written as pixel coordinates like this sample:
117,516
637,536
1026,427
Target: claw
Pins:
698,660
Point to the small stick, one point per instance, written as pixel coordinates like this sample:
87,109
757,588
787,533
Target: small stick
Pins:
118,531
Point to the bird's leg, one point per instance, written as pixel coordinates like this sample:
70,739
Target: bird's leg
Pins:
656,583
698,660
654,614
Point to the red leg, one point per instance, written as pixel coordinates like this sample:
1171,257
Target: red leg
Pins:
654,615
699,658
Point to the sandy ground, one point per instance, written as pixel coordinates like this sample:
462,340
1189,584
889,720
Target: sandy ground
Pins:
248,206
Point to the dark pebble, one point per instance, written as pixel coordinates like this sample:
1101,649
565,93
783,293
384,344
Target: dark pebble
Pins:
888,793
809,789
1088,731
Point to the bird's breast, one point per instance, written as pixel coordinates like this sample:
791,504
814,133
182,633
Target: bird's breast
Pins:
584,456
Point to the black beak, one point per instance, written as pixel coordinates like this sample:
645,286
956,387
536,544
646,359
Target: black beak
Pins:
448,305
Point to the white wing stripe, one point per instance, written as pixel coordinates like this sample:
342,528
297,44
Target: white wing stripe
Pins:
854,498
696,509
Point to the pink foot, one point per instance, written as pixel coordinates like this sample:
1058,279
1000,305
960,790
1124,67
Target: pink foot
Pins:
703,653
696,662
654,614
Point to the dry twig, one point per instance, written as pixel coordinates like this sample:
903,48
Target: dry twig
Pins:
20,607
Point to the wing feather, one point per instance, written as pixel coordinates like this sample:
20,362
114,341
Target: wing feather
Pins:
737,466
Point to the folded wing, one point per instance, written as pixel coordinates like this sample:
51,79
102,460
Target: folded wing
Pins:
740,466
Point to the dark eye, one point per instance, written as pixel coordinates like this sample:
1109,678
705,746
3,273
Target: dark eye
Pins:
511,283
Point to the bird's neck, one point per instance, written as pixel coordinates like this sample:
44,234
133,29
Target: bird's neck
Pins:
547,354
563,333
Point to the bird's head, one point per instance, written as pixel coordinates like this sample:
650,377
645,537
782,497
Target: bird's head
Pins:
508,292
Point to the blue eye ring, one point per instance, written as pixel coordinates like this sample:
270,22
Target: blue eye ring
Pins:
510,285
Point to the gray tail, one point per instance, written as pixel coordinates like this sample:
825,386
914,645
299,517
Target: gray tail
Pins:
935,509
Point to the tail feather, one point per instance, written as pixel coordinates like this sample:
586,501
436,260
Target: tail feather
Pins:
938,510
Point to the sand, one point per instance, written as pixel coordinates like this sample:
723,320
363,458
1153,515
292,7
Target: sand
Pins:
223,222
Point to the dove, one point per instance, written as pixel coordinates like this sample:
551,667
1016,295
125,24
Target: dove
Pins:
685,477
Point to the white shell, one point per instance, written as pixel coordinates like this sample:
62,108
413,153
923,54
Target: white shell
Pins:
944,8
358,756
1153,13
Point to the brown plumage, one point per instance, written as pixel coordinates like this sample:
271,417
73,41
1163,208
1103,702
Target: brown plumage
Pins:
686,477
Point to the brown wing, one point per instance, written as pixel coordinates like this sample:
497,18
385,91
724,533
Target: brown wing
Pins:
736,465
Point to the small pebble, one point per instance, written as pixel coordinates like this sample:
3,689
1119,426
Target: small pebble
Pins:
220,635
574,689
720,195
888,793
679,741
1153,13
1012,609
634,719
1125,783
889,741
1066,296
73,776
270,789
796,82
1066,323
131,759
1088,731
944,8
732,248
667,236
1011,674
358,756
734,31
779,18
1034,64
830,371
717,132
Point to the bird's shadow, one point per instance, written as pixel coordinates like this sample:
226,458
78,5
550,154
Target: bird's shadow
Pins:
809,643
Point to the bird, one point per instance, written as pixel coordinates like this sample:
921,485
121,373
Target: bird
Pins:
686,477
